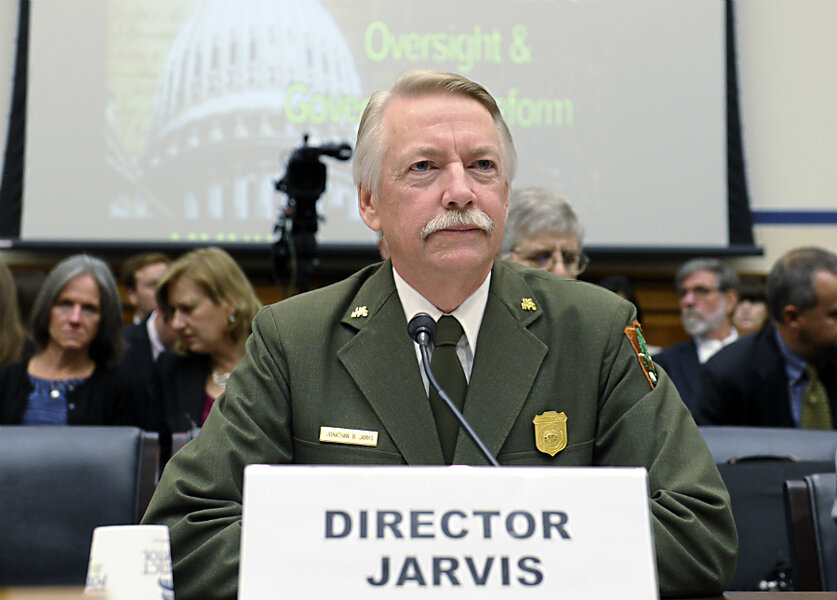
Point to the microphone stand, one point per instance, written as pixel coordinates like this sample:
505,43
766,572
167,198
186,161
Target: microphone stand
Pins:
422,337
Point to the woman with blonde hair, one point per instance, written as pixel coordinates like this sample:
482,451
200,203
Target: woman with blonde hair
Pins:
210,304
12,333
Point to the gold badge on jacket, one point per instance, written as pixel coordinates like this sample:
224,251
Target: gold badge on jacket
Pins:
550,432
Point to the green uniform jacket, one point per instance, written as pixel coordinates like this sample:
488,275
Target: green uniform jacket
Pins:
310,363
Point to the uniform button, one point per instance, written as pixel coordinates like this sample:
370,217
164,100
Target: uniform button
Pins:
71,405
54,394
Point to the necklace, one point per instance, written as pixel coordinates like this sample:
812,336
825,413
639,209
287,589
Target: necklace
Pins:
220,379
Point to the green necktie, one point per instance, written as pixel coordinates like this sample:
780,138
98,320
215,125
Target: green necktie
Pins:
816,411
448,371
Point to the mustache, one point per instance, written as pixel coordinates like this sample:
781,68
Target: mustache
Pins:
472,217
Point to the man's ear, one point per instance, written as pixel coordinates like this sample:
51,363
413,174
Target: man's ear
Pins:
367,205
790,316
132,297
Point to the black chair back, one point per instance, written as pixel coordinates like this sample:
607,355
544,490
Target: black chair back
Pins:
58,483
812,533
754,463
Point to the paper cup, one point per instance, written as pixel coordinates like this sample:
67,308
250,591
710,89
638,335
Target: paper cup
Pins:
130,562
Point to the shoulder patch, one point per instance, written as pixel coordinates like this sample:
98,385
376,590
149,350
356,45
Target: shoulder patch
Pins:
634,335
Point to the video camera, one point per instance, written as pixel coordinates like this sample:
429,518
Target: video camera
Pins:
304,182
305,176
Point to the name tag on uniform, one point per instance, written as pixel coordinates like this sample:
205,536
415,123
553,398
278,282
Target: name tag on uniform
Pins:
353,437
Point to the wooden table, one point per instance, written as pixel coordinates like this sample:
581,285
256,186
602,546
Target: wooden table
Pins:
44,593
769,596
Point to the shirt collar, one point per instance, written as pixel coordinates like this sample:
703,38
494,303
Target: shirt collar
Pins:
794,364
469,313
707,347
154,337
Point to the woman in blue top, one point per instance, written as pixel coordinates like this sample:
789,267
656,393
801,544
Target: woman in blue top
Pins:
72,377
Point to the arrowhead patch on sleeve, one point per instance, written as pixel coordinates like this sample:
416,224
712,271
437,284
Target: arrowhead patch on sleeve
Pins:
634,334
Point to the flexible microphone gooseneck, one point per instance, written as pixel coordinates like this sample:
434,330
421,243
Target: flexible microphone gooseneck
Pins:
422,329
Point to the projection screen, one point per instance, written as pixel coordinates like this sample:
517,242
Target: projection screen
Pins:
170,120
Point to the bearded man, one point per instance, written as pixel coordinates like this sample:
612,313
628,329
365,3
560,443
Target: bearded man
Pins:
708,292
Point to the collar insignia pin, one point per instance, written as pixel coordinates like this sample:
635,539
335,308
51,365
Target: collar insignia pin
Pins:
550,432
527,304
359,311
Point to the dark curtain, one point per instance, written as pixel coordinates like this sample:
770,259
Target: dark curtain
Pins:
738,200
11,186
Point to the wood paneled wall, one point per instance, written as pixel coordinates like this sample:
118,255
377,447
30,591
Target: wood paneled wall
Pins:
653,285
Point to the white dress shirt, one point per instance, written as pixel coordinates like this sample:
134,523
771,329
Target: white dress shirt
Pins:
469,314
707,348
154,337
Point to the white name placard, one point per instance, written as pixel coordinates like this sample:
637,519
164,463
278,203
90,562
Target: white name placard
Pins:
450,532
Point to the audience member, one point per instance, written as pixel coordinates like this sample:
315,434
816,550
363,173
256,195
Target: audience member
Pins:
751,312
784,375
543,231
28,282
210,305
12,333
620,285
140,274
72,377
708,292
145,340
433,164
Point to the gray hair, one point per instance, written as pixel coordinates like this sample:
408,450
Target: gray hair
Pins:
107,345
371,138
725,278
791,280
537,210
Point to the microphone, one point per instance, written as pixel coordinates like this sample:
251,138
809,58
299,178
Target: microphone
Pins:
194,430
422,329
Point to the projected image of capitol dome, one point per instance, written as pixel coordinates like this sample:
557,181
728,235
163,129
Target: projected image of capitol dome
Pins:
242,82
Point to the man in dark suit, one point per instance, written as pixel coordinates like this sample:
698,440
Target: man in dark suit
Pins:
433,163
140,274
147,336
708,292
766,378
144,342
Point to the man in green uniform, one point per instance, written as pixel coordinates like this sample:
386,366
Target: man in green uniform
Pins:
433,164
